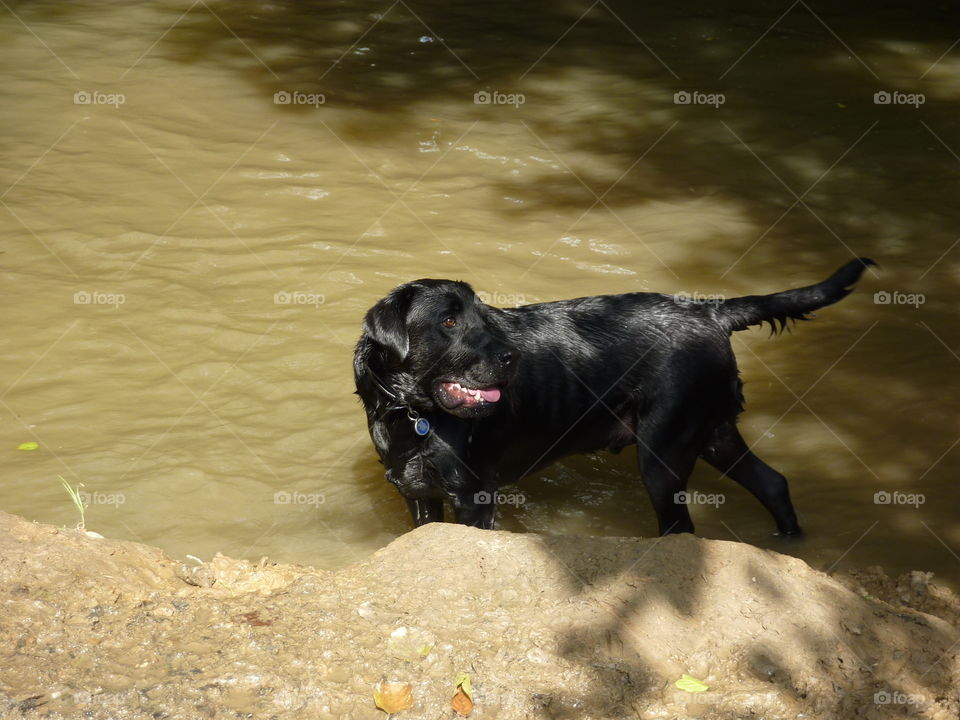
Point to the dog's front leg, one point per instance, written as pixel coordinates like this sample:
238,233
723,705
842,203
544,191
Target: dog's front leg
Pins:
425,510
477,509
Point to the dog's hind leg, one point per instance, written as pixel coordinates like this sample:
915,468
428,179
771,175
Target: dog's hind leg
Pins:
665,470
425,510
728,453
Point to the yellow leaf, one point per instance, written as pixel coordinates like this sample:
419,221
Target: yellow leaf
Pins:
28,446
462,703
463,683
691,684
393,697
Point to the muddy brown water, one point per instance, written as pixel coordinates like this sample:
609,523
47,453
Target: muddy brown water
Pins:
187,254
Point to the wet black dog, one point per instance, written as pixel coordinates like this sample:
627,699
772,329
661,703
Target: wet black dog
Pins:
463,398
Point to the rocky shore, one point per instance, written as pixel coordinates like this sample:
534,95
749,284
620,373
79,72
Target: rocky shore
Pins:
544,626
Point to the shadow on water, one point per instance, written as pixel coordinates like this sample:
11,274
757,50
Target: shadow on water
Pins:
798,146
797,104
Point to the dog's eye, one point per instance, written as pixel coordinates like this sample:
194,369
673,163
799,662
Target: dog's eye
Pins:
449,321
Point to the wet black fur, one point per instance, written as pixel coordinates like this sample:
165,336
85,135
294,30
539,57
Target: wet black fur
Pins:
578,375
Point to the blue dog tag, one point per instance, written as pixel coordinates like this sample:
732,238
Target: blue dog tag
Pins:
421,426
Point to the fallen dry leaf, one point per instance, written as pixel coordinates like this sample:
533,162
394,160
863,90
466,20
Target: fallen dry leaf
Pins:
463,683
393,697
462,703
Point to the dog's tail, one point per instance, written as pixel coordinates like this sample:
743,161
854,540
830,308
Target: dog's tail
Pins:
742,312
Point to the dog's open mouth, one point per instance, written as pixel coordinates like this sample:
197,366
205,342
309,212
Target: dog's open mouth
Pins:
453,395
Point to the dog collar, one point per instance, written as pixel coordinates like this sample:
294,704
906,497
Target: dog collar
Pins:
421,426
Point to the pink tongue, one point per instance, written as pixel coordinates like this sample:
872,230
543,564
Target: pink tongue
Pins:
491,395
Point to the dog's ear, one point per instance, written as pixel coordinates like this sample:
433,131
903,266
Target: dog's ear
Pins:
386,322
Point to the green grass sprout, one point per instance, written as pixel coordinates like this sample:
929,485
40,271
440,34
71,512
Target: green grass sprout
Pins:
74,493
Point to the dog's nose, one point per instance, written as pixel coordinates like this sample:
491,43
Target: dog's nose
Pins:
506,358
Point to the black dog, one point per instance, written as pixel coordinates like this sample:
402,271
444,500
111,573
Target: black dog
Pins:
462,398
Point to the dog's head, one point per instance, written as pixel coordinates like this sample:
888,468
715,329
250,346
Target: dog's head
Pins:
452,344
